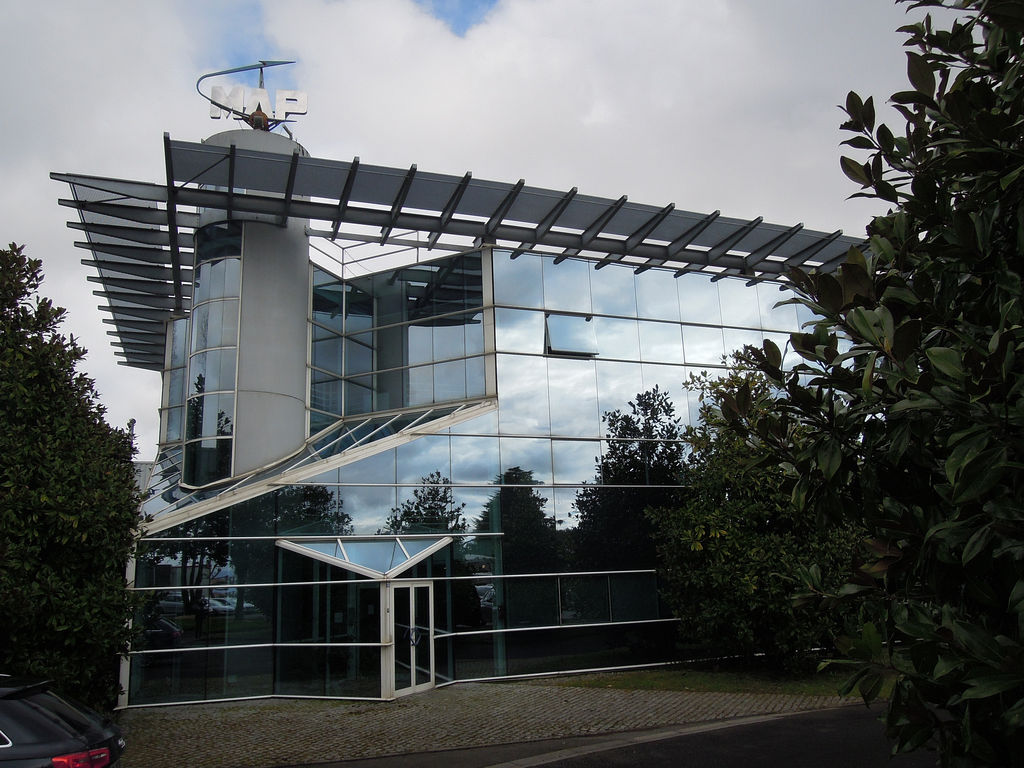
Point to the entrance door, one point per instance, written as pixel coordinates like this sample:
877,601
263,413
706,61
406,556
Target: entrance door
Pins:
413,636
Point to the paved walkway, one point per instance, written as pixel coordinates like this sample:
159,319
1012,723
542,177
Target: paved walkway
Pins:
284,732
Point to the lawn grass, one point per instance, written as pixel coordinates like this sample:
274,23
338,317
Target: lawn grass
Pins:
712,679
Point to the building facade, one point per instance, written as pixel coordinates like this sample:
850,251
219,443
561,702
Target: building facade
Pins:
382,417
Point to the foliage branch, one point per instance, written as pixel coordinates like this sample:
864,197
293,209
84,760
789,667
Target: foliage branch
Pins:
905,415
68,502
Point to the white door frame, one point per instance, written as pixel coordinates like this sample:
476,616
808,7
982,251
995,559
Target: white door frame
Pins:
418,643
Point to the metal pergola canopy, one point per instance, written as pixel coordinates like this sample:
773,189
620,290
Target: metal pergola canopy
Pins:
139,234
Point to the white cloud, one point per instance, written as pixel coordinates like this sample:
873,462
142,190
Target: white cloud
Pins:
724,104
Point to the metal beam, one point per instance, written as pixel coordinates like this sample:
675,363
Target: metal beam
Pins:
397,203
594,229
762,252
449,209
343,198
232,157
172,225
638,236
734,238
500,213
806,253
145,235
133,252
289,188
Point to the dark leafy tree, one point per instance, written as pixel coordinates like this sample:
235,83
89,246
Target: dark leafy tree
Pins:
529,543
68,502
723,549
906,416
432,509
645,448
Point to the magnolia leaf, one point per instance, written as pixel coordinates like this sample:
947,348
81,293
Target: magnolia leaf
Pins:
830,457
855,171
990,685
1016,601
920,73
772,353
946,361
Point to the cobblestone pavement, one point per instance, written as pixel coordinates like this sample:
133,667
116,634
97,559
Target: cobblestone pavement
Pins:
279,732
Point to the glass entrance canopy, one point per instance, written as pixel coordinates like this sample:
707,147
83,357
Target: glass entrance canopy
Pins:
377,557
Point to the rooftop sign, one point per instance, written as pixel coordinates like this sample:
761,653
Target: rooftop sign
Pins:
253,105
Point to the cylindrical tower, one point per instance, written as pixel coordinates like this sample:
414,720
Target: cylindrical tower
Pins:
246,393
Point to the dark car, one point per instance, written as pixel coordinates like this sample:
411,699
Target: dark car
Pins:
40,729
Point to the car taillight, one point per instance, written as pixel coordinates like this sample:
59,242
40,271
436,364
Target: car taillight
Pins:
94,758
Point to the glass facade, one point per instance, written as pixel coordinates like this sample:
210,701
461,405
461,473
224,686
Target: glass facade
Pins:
513,592
213,352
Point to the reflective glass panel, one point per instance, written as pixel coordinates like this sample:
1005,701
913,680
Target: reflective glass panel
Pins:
424,455
327,353
217,241
518,282
369,507
660,342
210,415
216,279
775,317
207,461
215,325
703,345
420,342
617,338
736,339
176,386
518,331
698,299
474,459
523,395
656,295
172,424
574,461
449,338
476,383
421,388
328,303
474,330
617,384
179,341
567,285
613,291
358,354
739,303
531,455
326,396
449,381
379,468
669,378
211,371
572,388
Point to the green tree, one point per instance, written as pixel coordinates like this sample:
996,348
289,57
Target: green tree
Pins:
906,414
432,509
645,448
68,502
723,548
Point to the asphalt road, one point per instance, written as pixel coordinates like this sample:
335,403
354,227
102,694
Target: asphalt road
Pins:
849,737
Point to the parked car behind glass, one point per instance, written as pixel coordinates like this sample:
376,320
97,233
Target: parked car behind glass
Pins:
40,729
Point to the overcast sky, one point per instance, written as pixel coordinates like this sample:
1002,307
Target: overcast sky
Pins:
709,104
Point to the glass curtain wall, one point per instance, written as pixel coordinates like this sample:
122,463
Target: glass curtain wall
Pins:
213,353
526,587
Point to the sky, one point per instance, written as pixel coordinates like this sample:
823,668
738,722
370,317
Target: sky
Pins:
723,105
